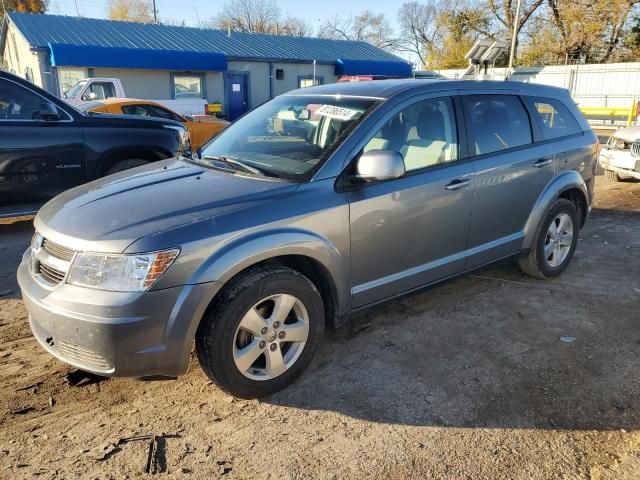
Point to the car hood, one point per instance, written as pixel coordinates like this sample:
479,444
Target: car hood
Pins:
109,214
629,134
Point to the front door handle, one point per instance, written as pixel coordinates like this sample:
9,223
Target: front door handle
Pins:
543,162
457,184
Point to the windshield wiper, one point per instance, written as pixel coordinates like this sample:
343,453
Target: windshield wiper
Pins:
238,165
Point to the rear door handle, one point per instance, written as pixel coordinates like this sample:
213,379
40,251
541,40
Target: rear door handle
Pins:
457,184
543,162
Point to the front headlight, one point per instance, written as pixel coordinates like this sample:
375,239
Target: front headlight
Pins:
119,272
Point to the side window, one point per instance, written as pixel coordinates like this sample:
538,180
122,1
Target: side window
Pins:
102,90
557,120
18,103
424,133
134,110
496,122
160,112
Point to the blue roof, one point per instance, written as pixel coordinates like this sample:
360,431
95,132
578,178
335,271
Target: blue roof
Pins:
41,30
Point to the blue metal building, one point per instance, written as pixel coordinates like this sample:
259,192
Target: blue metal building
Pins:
239,70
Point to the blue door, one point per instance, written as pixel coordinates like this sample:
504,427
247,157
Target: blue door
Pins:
235,85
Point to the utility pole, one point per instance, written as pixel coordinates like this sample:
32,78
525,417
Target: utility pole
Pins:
514,39
77,9
155,12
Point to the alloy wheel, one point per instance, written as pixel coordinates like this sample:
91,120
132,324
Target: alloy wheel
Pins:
558,240
271,337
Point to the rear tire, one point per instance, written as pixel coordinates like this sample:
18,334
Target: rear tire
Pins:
240,344
122,165
553,246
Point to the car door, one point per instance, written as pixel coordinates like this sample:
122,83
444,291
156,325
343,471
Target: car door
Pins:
511,168
411,231
38,158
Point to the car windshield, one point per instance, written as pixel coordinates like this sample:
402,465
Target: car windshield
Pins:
289,137
73,91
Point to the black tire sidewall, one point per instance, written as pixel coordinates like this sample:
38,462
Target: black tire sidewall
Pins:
561,206
216,334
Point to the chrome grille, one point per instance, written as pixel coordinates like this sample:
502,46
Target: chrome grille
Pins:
83,357
50,274
56,250
635,149
50,261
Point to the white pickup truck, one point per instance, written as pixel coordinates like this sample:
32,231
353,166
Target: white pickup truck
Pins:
92,89
620,156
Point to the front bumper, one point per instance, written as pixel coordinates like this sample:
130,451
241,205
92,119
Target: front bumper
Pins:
619,160
115,333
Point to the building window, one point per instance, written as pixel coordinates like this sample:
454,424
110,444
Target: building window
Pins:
307,81
279,74
188,86
68,77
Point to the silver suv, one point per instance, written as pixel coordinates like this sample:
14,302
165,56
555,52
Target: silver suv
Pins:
317,204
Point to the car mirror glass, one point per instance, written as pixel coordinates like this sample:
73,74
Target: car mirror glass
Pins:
376,165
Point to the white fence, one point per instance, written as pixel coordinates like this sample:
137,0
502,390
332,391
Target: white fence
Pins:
602,85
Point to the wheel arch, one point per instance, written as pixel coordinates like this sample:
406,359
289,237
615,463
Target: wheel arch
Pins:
113,156
306,252
569,185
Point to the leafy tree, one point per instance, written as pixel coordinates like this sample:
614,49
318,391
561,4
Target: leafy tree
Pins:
23,6
139,11
504,12
590,30
440,32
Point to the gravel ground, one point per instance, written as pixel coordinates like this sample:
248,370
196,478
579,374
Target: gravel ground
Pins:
469,379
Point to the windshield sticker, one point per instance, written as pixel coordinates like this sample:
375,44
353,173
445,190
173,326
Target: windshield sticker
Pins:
338,113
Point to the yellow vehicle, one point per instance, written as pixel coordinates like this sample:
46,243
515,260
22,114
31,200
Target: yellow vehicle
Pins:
201,128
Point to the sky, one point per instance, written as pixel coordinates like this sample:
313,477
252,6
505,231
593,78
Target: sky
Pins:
195,11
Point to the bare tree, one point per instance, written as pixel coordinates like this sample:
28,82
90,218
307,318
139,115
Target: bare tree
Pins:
367,26
295,27
419,28
130,11
255,16
505,12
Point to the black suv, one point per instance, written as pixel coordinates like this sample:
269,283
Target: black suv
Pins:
48,146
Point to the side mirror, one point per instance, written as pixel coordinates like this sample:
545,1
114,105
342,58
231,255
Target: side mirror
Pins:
304,114
380,165
48,111
188,118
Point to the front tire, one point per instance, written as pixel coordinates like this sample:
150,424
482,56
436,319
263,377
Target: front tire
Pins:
262,331
555,242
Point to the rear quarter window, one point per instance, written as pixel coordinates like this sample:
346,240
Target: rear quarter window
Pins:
555,118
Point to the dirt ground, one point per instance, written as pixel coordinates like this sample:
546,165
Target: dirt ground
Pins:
470,379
